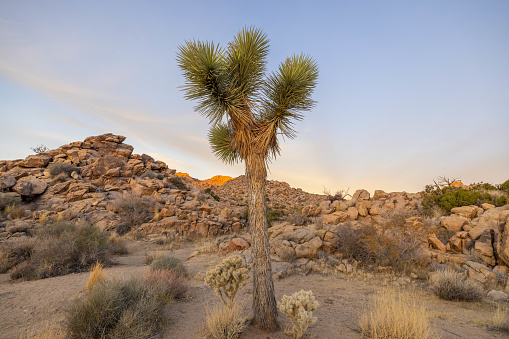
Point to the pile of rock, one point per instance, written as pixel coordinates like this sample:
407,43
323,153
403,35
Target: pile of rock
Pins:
105,169
278,194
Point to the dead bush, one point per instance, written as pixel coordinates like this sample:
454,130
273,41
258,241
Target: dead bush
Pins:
61,168
393,245
133,210
14,252
224,323
15,211
116,309
178,183
297,219
24,270
450,285
499,318
167,284
393,314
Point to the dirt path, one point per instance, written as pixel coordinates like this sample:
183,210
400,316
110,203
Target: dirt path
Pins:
36,304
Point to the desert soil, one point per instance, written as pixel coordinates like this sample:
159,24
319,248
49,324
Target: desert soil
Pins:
32,305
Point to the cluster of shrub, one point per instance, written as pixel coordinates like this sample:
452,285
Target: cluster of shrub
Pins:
448,197
56,249
130,308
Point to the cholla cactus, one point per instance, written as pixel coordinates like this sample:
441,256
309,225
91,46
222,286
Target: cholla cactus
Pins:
228,278
299,308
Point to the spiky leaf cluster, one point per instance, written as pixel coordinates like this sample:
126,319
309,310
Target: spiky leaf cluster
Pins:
246,108
299,308
228,278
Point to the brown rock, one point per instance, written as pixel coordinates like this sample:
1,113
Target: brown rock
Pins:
27,186
7,181
362,207
35,161
454,223
240,243
465,211
379,194
335,218
360,195
487,206
436,243
353,213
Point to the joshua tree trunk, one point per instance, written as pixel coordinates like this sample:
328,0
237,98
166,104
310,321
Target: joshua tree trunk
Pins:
264,301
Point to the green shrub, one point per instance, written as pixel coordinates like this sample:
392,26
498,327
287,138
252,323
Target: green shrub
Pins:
178,183
57,168
116,309
209,191
450,285
449,197
169,263
152,175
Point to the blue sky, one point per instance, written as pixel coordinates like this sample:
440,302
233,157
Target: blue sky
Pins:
408,90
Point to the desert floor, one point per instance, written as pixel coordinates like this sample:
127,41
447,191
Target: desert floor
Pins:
33,305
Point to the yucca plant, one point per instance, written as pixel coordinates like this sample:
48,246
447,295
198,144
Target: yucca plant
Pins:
247,111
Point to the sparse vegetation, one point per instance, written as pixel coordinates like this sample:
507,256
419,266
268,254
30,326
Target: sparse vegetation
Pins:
228,278
152,175
212,194
57,249
224,323
297,219
178,183
299,308
7,202
392,244
450,285
170,264
499,319
57,168
39,149
133,211
394,314
96,275
447,196
167,284
116,309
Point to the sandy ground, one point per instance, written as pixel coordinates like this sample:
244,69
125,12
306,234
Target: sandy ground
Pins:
32,305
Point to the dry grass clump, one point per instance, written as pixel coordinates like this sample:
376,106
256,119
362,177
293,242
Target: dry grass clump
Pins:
499,319
117,245
450,285
116,309
394,314
48,332
6,201
208,246
15,211
169,263
167,284
96,275
224,323
297,219
133,210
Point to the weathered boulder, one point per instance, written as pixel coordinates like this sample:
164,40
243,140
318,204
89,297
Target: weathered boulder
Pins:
362,207
465,211
360,195
28,186
335,218
379,194
483,246
436,243
353,213
488,220
108,165
7,181
454,222
503,237
308,249
35,161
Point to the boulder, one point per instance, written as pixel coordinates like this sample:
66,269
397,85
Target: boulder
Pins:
484,248
454,222
362,207
379,194
436,243
360,195
308,249
497,295
465,211
353,213
30,185
35,161
335,218
106,164
7,181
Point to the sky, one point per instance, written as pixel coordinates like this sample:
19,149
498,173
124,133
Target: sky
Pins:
408,90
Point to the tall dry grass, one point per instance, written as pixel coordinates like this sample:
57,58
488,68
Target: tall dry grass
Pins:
96,274
396,314
224,323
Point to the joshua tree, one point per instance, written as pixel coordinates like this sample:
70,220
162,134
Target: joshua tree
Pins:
247,111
